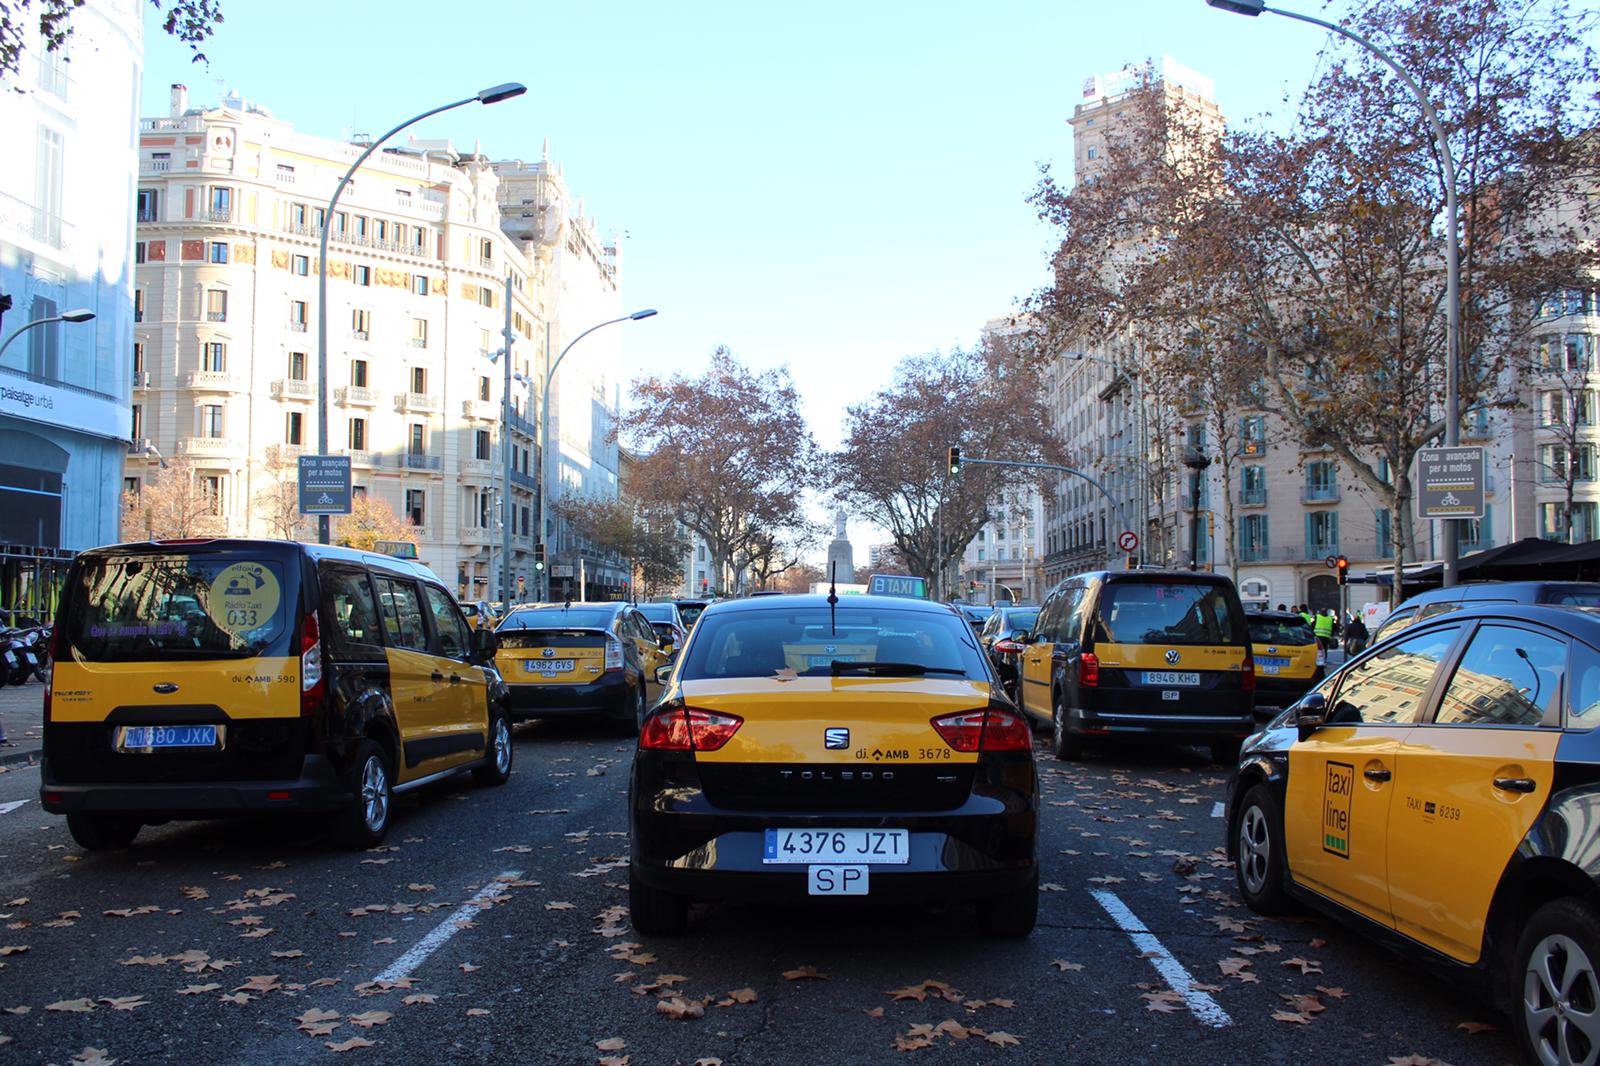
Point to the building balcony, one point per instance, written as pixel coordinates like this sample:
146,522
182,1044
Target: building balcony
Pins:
139,446
523,426
360,335
483,410
1253,497
355,396
293,389
1317,551
524,481
285,453
1254,553
219,215
475,535
141,379
479,470
297,327
158,166
418,461
419,342
358,457
410,402
211,381
1319,494
209,447
216,316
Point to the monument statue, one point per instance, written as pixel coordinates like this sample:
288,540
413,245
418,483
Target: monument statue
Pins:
840,552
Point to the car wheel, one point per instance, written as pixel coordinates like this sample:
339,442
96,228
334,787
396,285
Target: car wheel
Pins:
654,912
1012,914
102,832
1557,1005
1258,852
496,769
365,822
1063,744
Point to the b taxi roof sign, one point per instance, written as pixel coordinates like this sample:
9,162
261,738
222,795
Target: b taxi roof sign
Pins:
898,585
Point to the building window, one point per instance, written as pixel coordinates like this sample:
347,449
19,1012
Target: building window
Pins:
297,366
1556,462
214,357
211,421
138,305
216,305
358,492
1094,153
363,275
294,425
419,333
297,316
486,296
981,555
1577,351
286,173
1384,531
130,486
48,179
1253,486
358,434
137,429
483,388
1322,482
361,324
419,380
416,506
217,252
485,249
138,357
481,446
138,252
1322,534
301,265
1553,521
419,284
147,207
222,204
417,445
1253,538
358,373
299,215
1253,435
211,493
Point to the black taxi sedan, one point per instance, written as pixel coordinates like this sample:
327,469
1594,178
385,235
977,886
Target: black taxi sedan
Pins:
579,659
1440,793
856,749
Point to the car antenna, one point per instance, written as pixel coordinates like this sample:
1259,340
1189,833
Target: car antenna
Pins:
833,597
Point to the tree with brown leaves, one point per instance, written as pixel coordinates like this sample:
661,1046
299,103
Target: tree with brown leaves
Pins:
369,521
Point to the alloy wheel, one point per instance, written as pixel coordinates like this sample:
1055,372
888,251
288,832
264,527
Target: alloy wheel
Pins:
1255,848
374,793
1561,1003
502,746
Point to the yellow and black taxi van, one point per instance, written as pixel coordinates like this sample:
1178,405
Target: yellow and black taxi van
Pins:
199,678
1285,652
580,658
859,749
1141,653
1439,793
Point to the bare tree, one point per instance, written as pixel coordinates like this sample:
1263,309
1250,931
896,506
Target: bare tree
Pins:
278,504
190,21
172,503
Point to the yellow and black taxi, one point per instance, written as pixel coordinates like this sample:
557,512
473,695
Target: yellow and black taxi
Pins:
689,609
199,678
1285,653
1141,654
668,624
857,749
1439,792
598,659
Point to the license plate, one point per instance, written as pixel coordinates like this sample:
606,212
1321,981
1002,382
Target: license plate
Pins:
1270,668
837,880
814,661
547,666
1171,694
837,846
1170,677
152,737
1263,660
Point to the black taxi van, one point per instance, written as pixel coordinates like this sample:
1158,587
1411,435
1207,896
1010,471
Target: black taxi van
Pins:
561,659
199,678
1439,793
1141,653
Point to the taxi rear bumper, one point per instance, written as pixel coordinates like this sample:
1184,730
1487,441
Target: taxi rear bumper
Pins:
1129,720
609,694
317,788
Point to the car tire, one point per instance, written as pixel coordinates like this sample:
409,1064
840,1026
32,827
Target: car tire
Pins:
1063,744
1559,946
1258,852
102,832
653,911
496,768
1225,752
365,821
1012,914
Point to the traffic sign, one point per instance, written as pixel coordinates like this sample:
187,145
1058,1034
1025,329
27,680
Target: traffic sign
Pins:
324,482
1450,482
1127,540
1331,561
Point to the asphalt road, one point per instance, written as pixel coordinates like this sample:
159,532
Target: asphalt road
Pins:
215,943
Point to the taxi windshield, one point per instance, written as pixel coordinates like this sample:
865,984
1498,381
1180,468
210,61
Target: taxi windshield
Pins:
1167,612
657,612
760,643
559,618
1280,631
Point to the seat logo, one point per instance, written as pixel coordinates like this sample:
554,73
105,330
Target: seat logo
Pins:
548,653
166,688
1172,656
835,738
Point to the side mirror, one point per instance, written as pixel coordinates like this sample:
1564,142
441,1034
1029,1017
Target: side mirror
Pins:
1310,714
485,642
664,674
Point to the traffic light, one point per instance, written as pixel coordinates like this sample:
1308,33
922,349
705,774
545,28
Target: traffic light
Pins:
538,558
972,587
955,460
1341,566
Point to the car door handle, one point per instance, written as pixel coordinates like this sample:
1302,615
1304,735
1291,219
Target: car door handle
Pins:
1376,773
437,676
1515,784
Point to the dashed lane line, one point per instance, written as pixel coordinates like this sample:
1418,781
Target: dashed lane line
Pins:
7,808
418,953
1201,1005
1216,809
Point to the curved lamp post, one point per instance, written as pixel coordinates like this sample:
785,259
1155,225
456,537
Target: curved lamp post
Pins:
544,427
1452,247
491,95
76,315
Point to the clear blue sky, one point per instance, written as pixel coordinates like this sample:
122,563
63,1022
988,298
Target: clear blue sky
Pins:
830,186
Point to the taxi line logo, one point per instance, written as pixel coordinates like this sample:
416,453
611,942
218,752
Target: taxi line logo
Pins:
1338,791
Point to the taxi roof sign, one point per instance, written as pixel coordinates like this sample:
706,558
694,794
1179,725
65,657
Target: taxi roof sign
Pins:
898,585
400,549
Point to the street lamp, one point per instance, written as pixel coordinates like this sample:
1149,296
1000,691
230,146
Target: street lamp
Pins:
1196,461
544,427
77,315
1452,246
492,95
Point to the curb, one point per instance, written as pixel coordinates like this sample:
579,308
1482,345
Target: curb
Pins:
29,756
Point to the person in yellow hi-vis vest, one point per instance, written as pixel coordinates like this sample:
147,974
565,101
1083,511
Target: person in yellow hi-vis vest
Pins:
1323,627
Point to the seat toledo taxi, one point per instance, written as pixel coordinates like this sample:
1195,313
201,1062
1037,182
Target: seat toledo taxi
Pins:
859,748
1440,794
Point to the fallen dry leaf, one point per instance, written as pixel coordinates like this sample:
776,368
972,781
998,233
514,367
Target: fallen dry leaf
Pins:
124,1002
875,1012
804,973
1332,993
70,1006
195,990
476,1012
93,1056
368,1019
1476,1027
1305,966
679,1009
419,997
614,1060
1289,1017
239,998
738,995
558,905
1000,1038
1063,964
13,949
612,1043
348,1045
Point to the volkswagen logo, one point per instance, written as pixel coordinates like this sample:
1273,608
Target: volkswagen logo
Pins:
550,653
1172,656
834,739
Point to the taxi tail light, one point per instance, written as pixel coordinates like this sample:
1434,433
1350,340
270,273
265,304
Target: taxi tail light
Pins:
58,644
1008,647
613,653
310,665
1247,675
1088,670
991,729
688,729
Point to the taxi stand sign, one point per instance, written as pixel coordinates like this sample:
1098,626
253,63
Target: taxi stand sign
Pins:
324,484
1450,482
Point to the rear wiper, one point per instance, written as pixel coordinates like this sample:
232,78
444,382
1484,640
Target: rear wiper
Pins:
841,666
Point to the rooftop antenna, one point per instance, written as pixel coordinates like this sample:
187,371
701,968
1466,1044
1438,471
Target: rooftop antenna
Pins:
833,597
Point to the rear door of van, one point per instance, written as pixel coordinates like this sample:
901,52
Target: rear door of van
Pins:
179,663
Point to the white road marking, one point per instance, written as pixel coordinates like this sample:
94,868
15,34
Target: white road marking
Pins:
1216,809
419,952
7,808
1201,1005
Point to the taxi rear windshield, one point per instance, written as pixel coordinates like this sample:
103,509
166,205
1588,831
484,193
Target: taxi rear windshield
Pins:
760,643
134,609
1276,631
560,618
1169,612
657,612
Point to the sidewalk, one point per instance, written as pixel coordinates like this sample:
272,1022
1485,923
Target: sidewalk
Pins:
21,714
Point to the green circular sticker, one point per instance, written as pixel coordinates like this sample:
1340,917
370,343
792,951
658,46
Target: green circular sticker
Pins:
244,597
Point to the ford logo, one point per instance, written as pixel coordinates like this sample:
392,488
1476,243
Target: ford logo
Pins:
166,688
1172,656
548,653
835,738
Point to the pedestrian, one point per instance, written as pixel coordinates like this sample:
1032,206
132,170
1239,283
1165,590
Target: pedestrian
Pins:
1355,635
1281,607
1322,625
1305,612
